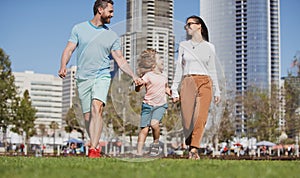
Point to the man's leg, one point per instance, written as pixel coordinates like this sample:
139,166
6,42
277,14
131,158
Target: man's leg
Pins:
87,123
96,122
141,139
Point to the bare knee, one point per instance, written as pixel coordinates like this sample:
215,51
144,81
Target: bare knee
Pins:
97,107
154,124
144,131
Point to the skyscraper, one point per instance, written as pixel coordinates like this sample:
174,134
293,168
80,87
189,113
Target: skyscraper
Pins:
150,25
246,35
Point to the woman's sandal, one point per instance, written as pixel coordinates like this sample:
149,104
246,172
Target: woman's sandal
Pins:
194,155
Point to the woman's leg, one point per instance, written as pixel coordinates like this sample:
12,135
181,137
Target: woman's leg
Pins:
188,95
203,101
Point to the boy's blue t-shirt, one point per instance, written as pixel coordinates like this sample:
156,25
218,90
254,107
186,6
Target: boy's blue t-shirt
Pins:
94,45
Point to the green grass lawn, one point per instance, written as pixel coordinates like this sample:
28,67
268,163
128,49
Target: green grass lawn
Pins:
81,167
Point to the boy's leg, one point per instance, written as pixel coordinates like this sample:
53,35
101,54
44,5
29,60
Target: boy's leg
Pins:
141,140
155,130
154,147
157,116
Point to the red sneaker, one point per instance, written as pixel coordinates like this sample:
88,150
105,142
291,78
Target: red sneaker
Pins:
94,153
99,151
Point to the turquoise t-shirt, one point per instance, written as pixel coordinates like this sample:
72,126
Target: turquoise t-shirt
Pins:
94,45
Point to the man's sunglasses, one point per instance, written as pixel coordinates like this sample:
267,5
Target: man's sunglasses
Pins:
188,25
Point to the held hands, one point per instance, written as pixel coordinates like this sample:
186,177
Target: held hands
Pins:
217,99
138,81
175,99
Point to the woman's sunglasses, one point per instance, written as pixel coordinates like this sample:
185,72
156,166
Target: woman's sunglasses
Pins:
188,25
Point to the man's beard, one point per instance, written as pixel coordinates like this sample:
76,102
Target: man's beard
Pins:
105,20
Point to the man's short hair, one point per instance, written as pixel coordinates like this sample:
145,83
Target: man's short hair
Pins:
101,3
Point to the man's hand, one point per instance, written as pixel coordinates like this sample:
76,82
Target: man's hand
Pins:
62,72
138,81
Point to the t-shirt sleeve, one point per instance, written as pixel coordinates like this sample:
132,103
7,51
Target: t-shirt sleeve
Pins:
146,77
74,35
116,45
165,79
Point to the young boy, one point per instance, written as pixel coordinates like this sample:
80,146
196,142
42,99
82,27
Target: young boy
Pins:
155,101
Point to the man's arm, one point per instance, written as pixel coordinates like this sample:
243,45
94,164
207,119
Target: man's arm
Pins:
124,66
65,58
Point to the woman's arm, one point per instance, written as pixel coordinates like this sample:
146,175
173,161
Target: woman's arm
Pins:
168,90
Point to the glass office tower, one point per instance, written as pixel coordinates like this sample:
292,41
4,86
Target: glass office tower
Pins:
246,34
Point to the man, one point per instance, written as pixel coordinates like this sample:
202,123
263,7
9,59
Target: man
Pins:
94,42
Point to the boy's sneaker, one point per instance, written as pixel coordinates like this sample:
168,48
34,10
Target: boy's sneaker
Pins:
155,149
94,153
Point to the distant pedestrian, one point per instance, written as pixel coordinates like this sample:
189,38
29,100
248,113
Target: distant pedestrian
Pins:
22,146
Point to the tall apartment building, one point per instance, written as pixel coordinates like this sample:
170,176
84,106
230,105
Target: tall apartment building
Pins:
69,90
246,34
150,25
46,95
282,110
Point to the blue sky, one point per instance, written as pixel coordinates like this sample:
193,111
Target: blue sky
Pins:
34,32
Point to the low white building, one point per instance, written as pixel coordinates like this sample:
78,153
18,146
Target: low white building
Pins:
46,95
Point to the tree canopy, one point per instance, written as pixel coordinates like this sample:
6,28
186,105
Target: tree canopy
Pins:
25,117
8,95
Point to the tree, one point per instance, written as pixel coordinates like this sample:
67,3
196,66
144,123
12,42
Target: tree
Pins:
8,94
172,119
42,131
292,99
72,120
262,111
226,129
25,117
122,110
54,125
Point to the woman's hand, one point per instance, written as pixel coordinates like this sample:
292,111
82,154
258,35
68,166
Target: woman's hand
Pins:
217,99
175,99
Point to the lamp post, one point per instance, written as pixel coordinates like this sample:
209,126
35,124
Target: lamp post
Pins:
124,129
297,146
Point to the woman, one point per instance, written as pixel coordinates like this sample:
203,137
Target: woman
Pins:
196,71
